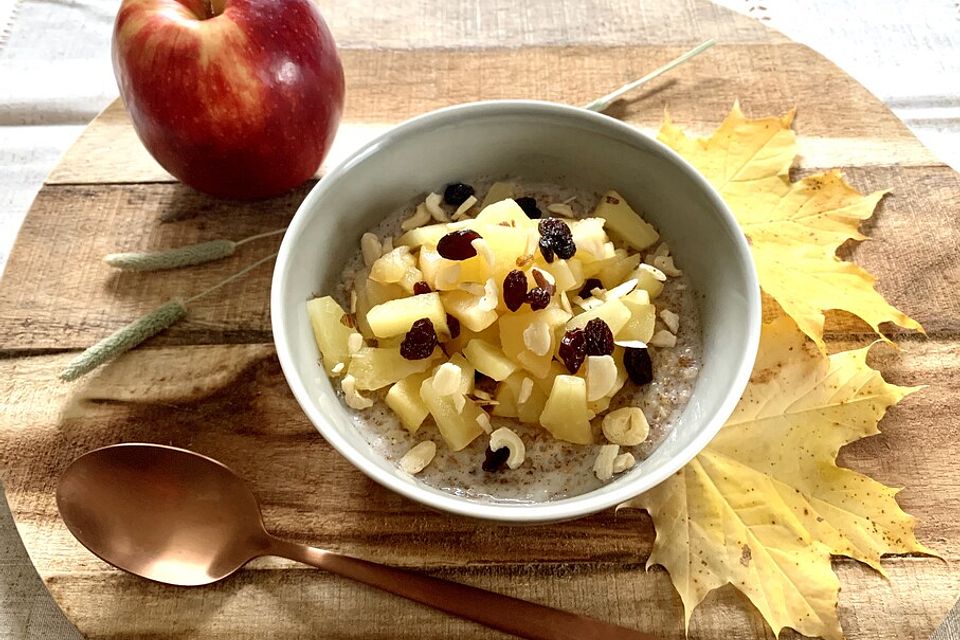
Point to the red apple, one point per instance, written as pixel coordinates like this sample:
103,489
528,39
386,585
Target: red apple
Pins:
236,98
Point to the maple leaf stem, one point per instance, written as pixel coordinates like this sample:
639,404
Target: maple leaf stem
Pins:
601,104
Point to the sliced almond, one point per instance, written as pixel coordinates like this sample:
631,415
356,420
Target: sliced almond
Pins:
601,376
370,248
432,203
484,251
536,337
561,209
621,289
526,389
491,296
353,301
387,246
418,457
565,302
465,206
484,421
338,368
656,273
446,381
459,402
630,344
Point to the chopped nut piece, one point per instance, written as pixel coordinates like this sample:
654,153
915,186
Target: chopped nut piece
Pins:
603,465
670,319
504,437
387,245
419,218
354,343
432,203
623,462
418,457
561,209
461,212
665,264
536,337
662,250
338,368
627,426
353,301
601,376
352,396
663,338
446,380
484,421
621,289
371,248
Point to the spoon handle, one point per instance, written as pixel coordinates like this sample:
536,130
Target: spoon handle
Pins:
505,613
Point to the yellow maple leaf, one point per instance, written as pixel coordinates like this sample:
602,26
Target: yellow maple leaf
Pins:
764,506
794,228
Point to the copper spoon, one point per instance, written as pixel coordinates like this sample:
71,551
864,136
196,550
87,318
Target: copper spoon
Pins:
181,518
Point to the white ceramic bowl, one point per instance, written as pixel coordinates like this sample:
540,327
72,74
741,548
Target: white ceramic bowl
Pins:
544,142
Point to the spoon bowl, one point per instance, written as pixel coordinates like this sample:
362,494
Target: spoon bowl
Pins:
184,519
151,510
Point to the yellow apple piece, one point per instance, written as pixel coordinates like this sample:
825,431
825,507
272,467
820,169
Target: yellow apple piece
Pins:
619,270
391,267
510,393
458,428
497,193
624,223
489,360
426,236
567,274
614,312
565,413
464,307
467,373
331,334
643,317
404,399
491,334
512,329
395,317
377,367
647,280
506,243
590,238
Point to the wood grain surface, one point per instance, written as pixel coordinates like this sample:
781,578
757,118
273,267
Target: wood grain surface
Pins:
212,383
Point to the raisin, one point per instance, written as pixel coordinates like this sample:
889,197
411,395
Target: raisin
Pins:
588,286
565,249
599,338
539,298
457,193
494,461
453,325
530,208
420,341
638,365
420,288
573,349
514,289
456,245
546,248
554,228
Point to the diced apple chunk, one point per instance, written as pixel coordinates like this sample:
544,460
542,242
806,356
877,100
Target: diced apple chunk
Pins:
458,428
567,274
489,360
395,317
625,223
329,332
393,266
643,316
565,412
369,294
613,312
590,238
464,307
647,281
404,399
506,243
491,334
619,271
512,328
509,395
376,367
428,236
496,194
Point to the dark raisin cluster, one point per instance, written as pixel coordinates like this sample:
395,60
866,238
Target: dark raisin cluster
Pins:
555,239
420,341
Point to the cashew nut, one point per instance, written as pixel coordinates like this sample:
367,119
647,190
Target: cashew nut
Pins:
603,465
418,457
561,209
504,437
627,426
352,396
370,247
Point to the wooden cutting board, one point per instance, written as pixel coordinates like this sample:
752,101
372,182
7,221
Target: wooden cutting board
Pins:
213,384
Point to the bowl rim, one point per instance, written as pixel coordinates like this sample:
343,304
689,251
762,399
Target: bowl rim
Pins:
526,513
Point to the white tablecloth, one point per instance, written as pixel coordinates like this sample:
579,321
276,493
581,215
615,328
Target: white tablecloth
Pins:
55,76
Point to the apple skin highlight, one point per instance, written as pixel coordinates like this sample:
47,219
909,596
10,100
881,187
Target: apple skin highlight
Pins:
241,103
